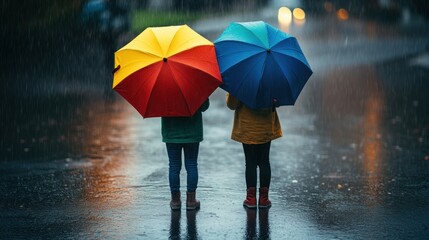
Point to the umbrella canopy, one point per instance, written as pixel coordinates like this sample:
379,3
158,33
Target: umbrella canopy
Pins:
261,65
166,71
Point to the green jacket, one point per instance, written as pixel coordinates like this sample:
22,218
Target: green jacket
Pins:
184,129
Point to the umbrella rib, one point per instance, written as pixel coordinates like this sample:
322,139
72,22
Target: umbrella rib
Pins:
151,93
183,43
247,73
240,61
181,92
169,44
292,58
213,78
281,69
241,42
263,69
193,67
155,37
141,85
172,39
256,36
141,51
284,40
299,51
289,49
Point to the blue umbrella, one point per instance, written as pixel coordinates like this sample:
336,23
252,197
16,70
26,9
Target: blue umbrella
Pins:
261,65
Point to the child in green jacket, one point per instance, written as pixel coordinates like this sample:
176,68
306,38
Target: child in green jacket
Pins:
183,133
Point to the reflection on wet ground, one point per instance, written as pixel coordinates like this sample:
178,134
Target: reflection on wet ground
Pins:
260,230
353,163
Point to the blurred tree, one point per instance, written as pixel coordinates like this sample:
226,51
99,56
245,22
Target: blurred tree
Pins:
421,7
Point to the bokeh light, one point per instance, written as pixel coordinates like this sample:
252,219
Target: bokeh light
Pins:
342,14
299,14
329,7
285,16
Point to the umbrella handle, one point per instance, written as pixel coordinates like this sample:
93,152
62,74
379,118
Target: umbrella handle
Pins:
116,69
274,104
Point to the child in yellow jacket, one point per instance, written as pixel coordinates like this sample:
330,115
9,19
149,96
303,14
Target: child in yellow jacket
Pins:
255,129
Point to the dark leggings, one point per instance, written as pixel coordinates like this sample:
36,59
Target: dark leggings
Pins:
257,155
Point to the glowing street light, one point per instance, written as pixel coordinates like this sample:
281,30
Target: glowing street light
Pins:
285,16
342,14
299,14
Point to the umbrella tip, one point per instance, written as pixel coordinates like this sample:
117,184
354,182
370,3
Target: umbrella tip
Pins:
164,59
268,50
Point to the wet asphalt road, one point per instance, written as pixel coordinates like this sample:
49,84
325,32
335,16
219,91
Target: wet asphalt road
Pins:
81,163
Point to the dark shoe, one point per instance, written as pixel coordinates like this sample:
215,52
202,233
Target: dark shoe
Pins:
175,203
191,202
264,202
250,201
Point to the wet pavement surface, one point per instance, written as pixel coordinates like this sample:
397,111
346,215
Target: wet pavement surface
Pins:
81,163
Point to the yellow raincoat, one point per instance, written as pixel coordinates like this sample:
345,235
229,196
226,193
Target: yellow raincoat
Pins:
253,126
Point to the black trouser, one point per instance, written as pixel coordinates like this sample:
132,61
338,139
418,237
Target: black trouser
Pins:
257,155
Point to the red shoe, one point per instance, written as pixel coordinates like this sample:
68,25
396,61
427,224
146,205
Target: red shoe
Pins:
250,201
264,202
